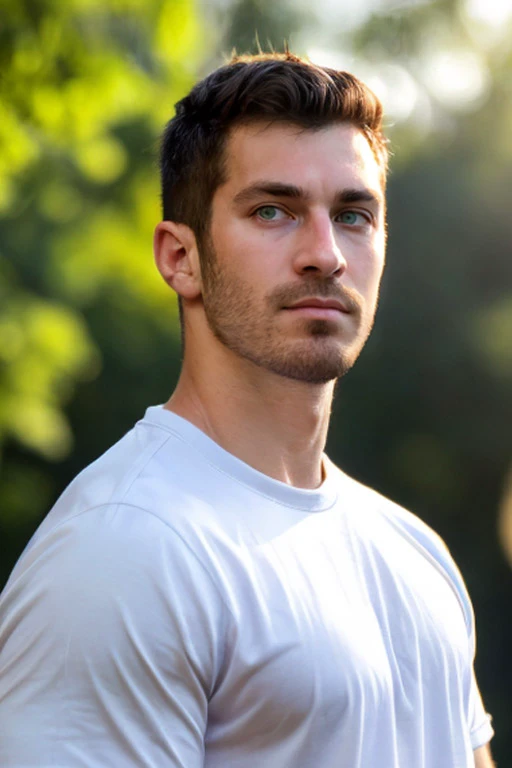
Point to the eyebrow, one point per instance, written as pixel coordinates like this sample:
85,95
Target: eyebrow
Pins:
278,189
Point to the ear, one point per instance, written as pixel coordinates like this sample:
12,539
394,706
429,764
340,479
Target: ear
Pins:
177,258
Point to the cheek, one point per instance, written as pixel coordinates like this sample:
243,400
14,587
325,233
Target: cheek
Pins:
366,272
250,258
236,249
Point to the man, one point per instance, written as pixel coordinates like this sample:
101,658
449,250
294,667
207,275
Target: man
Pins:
213,591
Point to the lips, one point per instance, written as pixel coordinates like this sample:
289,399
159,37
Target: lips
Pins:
317,303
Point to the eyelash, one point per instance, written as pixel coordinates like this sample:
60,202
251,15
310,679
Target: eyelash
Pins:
262,207
368,218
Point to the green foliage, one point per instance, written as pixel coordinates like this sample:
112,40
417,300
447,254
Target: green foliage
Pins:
44,346
85,89
88,331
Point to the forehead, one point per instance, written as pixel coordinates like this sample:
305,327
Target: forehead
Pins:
337,155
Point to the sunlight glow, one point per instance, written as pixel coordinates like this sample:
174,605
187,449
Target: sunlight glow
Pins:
391,82
492,12
458,79
332,59
349,15
396,88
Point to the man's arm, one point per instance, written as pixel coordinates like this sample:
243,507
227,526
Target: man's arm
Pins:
109,647
483,757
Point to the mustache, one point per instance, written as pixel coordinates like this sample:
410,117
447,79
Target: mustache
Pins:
289,294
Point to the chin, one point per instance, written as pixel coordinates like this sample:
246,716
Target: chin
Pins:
313,368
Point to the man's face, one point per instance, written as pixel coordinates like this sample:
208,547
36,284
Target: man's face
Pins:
292,266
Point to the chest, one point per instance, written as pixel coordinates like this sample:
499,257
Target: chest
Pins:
341,628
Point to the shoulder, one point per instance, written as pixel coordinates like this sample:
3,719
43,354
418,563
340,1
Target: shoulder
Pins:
113,572
381,511
133,516
116,547
117,615
151,470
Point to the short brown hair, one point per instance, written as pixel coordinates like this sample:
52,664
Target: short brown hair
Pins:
279,87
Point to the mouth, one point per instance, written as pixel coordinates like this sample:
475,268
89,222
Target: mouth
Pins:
330,309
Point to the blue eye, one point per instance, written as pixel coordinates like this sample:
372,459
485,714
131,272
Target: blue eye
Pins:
352,218
268,212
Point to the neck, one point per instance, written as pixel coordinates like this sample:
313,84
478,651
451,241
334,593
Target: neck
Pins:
274,424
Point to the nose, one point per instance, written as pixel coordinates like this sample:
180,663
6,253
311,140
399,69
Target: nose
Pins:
318,250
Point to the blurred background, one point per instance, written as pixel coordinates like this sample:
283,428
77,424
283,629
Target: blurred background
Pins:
88,331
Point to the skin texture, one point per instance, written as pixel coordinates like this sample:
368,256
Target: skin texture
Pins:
483,757
264,222
257,376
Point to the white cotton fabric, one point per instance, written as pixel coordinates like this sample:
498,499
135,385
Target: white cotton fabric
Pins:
179,609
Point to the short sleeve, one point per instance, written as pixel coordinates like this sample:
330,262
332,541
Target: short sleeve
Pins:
480,728
110,637
479,722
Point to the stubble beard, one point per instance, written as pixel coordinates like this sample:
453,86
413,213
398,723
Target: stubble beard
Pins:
248,330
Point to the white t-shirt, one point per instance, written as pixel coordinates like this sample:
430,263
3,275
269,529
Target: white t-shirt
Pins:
179,609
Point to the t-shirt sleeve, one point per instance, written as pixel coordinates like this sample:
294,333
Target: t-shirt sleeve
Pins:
479,721
480,728
112,634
